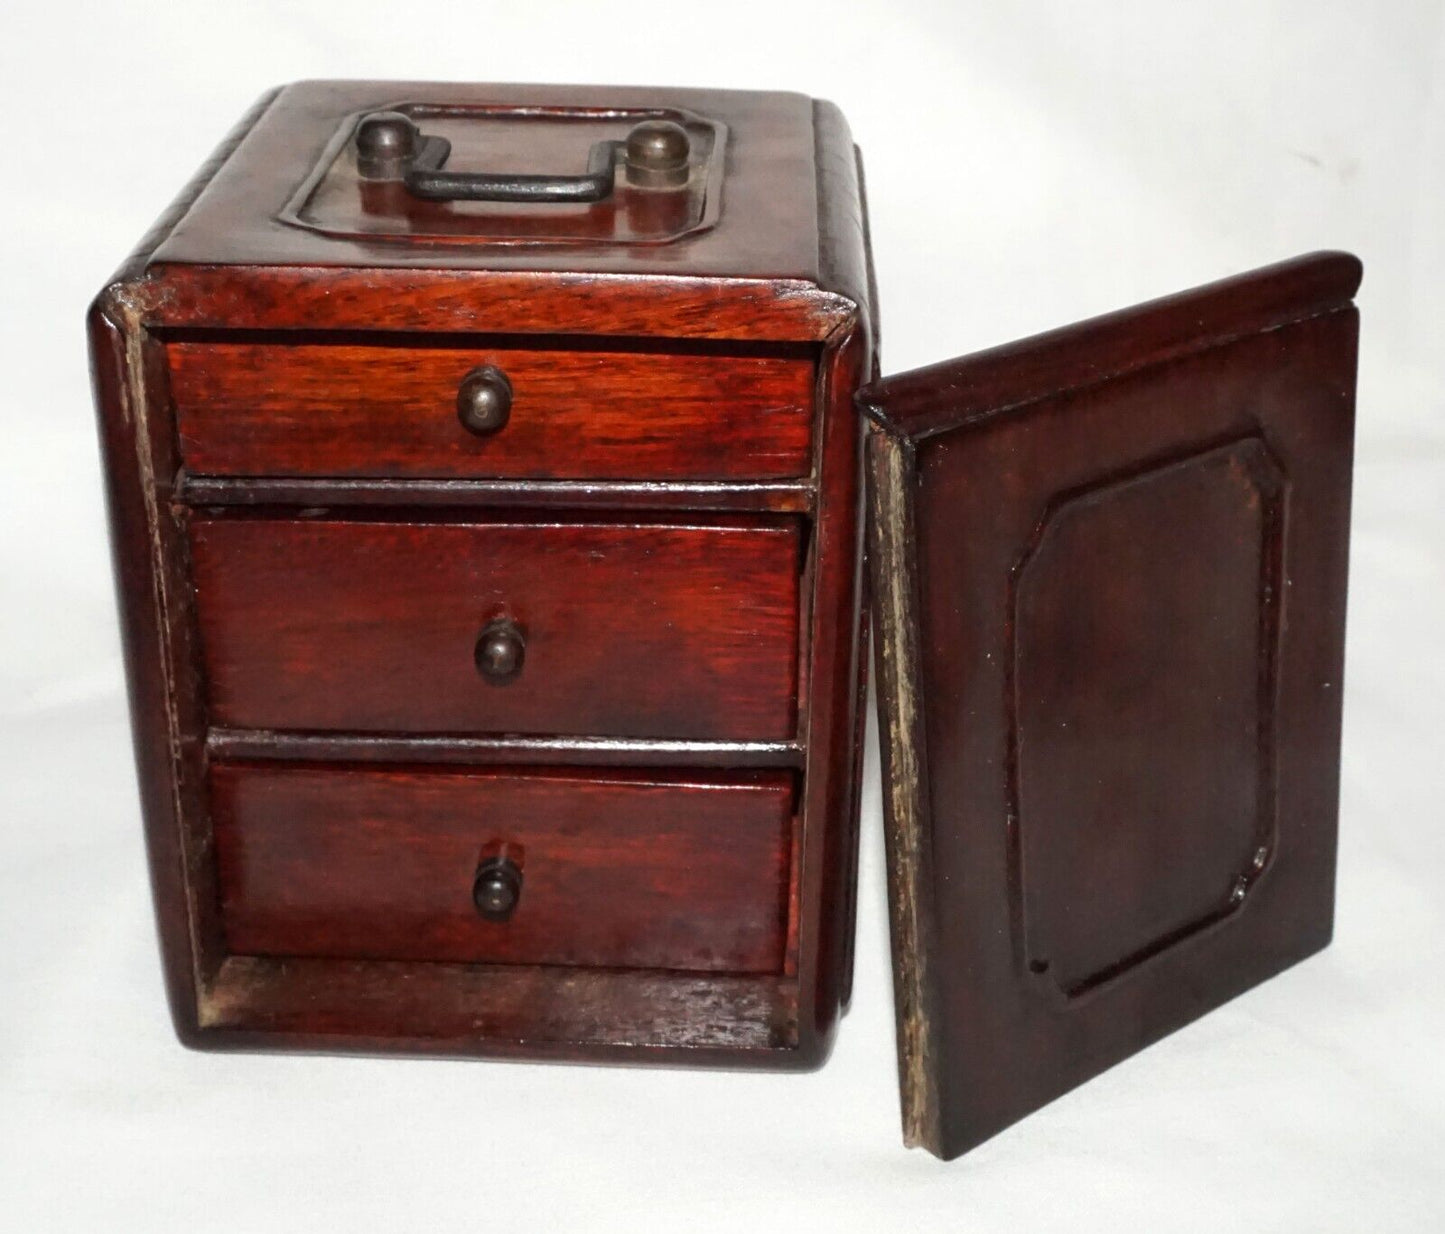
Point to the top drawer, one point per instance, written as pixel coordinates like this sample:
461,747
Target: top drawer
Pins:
276,409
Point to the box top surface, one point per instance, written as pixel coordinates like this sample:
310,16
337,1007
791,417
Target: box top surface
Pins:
292,192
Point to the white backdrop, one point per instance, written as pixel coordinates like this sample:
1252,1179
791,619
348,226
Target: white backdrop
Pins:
1093,154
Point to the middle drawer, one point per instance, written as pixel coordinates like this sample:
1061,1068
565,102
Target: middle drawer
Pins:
617,630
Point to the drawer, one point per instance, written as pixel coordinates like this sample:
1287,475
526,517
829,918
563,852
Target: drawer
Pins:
613,870
270,409
622,630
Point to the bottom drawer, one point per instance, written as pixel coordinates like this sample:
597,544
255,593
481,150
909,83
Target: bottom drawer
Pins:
613,869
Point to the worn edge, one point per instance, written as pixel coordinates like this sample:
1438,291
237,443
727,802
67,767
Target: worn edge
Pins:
891,476
863,657
842,368
121,305
843,257
870,270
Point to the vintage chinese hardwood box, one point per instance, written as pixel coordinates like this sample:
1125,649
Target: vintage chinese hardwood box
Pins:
492,472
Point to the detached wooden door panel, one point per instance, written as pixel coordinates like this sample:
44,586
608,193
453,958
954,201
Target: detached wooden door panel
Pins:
1111,568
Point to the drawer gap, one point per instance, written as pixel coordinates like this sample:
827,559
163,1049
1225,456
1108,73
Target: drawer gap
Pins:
619,344
233,744
282,492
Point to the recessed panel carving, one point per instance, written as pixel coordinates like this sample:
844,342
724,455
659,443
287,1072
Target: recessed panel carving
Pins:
1144,628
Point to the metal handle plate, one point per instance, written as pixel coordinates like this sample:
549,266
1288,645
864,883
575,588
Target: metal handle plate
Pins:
389,146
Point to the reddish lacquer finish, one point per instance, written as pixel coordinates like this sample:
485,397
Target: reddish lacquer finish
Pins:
1111,563
579,411
312,548
493,590
628,629
616,870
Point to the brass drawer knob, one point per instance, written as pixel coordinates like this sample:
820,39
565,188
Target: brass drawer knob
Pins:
500,651
484,400
497,888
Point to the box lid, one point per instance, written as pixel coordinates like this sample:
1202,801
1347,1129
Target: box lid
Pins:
291,192
1108,566
744,248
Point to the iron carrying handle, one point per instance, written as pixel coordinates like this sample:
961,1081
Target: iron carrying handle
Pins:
389,146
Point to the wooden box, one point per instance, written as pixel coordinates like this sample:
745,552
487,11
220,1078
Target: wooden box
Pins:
491,471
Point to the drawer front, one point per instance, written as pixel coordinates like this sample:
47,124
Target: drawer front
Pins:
314,410
624,630
618,870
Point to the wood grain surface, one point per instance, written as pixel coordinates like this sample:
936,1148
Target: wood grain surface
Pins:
343,409
618,869
1111,566
631,630
708,650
